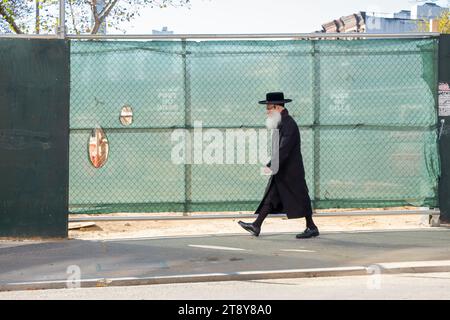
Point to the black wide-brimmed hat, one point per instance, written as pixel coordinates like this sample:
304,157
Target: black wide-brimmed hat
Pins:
275,98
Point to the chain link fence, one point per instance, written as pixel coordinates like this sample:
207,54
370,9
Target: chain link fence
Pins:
366,110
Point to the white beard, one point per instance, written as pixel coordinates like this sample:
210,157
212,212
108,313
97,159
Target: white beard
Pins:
273,120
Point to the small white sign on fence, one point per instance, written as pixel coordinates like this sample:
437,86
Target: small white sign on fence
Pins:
444,99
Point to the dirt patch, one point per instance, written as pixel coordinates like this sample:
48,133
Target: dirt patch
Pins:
160,228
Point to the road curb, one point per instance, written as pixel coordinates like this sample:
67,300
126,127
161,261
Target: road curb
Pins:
380,268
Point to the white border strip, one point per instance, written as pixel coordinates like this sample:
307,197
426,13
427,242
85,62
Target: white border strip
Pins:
388,268
303,36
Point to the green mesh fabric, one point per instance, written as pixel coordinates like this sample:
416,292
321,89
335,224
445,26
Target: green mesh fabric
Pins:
366,110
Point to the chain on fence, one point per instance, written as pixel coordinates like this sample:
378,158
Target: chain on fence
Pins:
366,110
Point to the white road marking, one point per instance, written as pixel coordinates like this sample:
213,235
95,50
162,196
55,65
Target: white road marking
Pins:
224,235
216,247
414,264
297,250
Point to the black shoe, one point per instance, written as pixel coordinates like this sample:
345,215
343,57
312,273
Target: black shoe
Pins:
308,233
250,228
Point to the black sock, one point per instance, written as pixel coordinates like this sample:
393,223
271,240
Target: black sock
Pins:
310,223
259,220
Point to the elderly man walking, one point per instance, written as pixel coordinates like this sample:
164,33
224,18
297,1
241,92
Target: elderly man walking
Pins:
286,191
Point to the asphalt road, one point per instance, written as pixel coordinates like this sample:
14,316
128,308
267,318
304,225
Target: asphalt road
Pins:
158,257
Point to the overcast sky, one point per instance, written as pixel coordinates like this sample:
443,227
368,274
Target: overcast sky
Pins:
257,16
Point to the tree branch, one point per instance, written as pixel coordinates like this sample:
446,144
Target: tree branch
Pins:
102,15
105,12
96,17
9,18
73,17
94,8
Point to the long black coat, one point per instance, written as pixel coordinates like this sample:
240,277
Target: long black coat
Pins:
290,178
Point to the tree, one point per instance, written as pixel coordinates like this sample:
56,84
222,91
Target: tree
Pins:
82,16
49,19
118,11
12,11
28,16
444,23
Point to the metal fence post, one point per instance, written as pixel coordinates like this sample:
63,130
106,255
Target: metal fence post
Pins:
188,126
61,30
316,123
444,132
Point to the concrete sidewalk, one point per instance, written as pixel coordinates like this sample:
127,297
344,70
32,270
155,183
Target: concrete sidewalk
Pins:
412,286
57,264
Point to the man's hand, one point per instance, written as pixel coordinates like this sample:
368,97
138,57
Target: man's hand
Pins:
266,171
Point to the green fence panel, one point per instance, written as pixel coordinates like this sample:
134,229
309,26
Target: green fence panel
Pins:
34,137
366,110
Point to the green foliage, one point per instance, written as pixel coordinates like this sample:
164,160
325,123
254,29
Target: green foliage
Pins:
443,27
444,22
